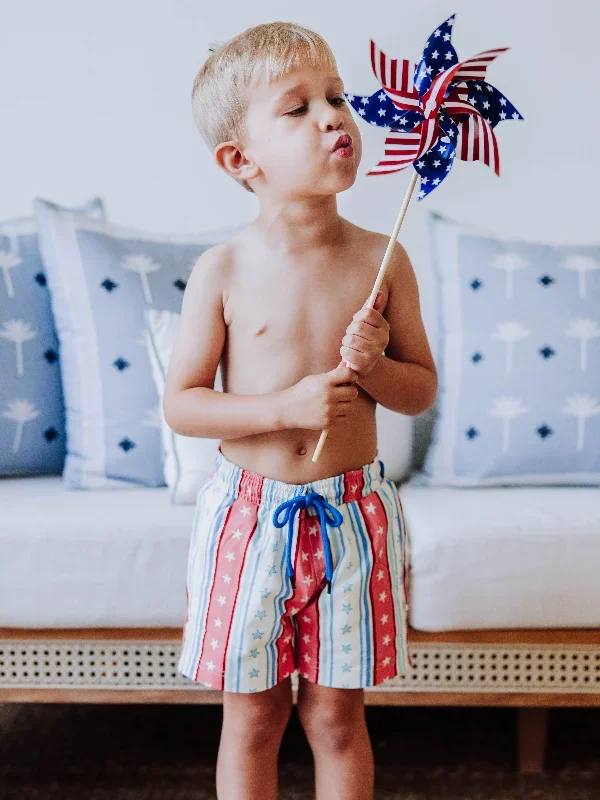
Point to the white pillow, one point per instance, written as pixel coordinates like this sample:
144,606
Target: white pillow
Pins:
394,442
187,460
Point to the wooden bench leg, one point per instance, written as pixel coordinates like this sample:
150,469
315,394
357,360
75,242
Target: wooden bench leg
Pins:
533,734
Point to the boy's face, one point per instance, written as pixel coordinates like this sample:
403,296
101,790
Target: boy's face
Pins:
292,128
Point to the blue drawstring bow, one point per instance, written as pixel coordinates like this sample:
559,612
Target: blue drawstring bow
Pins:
328,515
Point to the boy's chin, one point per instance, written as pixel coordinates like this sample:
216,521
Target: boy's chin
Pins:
342,182
334,183
322,185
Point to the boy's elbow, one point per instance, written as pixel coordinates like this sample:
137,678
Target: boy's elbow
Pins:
169,408
430,391
425,398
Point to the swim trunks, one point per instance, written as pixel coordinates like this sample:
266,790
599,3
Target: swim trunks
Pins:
284,577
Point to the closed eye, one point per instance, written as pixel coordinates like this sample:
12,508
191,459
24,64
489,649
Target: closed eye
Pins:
335,101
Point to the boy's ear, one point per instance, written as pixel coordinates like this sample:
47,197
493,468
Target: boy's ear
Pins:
230,158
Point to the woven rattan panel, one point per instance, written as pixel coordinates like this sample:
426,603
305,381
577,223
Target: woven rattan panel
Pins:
437,667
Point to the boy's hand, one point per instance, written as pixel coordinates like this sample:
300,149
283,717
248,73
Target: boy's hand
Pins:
366,338
317,401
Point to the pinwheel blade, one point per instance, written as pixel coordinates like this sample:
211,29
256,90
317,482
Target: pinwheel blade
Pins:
396,77
472,69
477,142
403,147
438,55
488,101
435,165
377,109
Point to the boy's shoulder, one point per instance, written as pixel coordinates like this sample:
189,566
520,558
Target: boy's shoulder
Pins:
219,259
374,244
214,263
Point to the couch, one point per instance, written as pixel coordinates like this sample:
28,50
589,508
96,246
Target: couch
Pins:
504,601
501,613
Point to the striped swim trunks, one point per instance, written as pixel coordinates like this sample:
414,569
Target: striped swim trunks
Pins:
284,577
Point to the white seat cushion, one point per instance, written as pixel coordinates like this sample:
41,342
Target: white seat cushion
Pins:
503,557
480,558
102,558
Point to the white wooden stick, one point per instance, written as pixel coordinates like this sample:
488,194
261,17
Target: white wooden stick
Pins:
379,279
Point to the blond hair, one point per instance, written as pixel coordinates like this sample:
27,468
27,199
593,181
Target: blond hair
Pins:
268,51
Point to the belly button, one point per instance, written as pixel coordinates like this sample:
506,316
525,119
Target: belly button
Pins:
302,451
261,330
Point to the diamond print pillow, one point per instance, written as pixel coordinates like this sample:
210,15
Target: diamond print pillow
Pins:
102,278
519,361
32,425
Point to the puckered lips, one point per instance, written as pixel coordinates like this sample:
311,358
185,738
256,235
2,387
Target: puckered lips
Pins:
343,147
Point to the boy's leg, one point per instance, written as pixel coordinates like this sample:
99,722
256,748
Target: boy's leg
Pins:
253,727
335,726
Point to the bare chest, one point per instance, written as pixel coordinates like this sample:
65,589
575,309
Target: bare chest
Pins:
290,322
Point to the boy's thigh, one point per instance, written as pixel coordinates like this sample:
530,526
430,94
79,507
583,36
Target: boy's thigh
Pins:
356,636
236,636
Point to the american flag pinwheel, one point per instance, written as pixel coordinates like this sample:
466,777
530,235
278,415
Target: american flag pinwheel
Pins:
437,110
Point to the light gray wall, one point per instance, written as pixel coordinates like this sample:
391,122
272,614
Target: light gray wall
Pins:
95,99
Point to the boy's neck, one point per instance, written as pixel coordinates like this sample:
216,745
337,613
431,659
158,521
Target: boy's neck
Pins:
301,224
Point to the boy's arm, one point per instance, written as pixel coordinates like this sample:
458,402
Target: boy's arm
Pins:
191,405
405,378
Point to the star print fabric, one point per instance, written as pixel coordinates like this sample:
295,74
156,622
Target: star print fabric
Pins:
246,628
440,109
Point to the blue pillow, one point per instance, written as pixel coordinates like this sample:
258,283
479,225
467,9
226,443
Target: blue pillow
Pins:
519,361
102,278
32,425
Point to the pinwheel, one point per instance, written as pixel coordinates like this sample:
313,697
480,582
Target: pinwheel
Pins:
435,111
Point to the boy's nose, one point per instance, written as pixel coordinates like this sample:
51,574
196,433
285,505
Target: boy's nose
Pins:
331,119
331,123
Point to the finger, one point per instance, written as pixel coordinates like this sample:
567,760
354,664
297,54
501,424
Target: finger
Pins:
358,343
350,354
358,329
378,300
370,317
352,368
375,342
342,374
358,360
368,331
359,348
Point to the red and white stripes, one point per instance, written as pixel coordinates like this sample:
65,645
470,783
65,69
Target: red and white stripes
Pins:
477,142
238,529
402,149
396,77
380,589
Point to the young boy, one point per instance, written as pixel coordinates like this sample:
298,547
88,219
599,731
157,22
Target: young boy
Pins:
293,564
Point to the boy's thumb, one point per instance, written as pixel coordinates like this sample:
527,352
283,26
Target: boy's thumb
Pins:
378,301
378,298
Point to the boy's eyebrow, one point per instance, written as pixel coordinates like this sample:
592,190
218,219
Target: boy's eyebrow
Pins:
298,87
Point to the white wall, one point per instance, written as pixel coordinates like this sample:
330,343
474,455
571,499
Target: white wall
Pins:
94,98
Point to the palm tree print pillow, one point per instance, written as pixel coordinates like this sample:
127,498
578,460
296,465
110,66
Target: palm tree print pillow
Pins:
32,424
102,278
518,359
